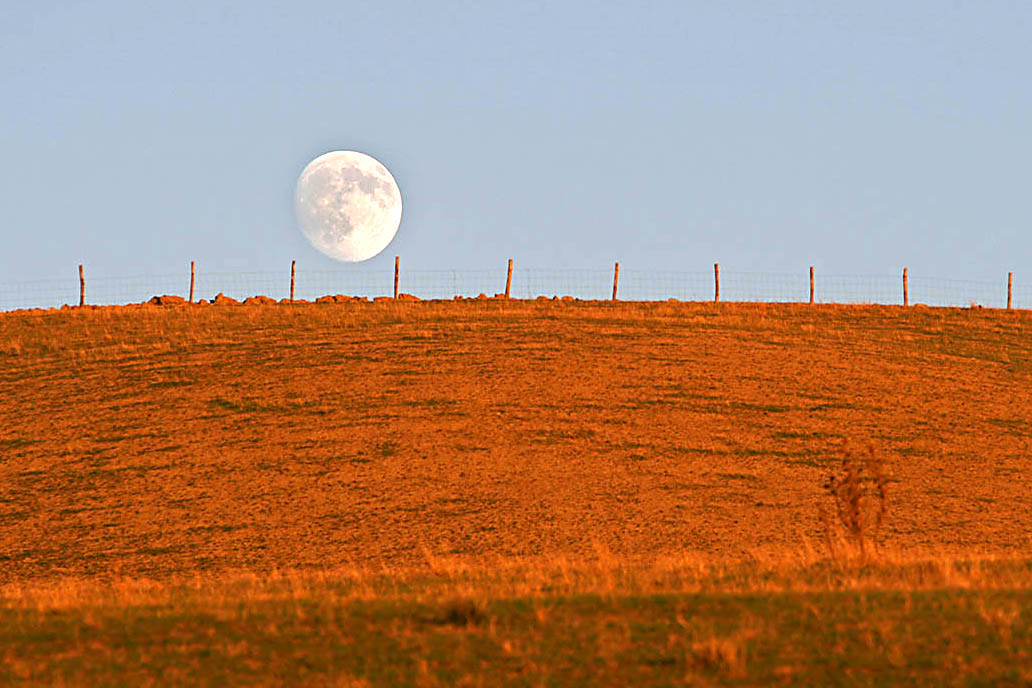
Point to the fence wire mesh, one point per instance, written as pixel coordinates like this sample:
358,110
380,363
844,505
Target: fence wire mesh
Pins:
634,285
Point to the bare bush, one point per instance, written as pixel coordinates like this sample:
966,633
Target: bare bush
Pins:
856,505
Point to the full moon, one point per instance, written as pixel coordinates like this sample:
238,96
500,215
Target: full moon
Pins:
348,205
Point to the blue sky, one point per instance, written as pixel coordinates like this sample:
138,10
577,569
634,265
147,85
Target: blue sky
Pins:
857,137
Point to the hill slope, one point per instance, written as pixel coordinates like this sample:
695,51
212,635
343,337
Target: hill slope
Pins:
161,441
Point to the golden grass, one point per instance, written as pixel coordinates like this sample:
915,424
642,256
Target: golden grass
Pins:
167,442
472,582
532,493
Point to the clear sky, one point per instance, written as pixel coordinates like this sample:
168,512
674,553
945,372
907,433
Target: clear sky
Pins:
768,136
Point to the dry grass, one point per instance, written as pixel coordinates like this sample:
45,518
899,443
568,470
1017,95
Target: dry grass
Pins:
525,493
465,586
165,442
910,620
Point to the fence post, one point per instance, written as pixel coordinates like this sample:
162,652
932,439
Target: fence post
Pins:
192,273
616,278
716,282
906,290
82,288
1010,288
508,279
811,284
397,267
293,273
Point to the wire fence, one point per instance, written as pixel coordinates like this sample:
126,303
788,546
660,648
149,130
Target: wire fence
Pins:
633,285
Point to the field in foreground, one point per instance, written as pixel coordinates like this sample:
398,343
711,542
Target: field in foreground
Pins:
171,443
682,622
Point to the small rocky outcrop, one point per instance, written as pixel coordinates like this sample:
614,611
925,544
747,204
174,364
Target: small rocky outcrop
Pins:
338,298
167,300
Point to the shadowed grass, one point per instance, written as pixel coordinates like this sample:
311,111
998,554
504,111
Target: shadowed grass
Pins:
554,623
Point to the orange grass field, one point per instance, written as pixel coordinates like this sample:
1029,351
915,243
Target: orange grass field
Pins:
406,438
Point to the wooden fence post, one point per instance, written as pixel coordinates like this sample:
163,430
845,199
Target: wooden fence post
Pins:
906,289
192,274
293,273
811,284
508,279
616,278
716,282
397,268
1010,288
82,288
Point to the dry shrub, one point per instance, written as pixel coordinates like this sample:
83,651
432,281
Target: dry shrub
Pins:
462,613
724,655
858,497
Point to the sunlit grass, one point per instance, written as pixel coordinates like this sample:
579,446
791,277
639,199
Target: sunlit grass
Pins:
531,493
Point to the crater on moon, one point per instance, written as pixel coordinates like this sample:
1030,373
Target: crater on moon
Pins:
348,205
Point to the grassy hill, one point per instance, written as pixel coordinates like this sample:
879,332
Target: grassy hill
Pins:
432,492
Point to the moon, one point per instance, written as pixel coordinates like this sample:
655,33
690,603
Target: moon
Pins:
348,205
